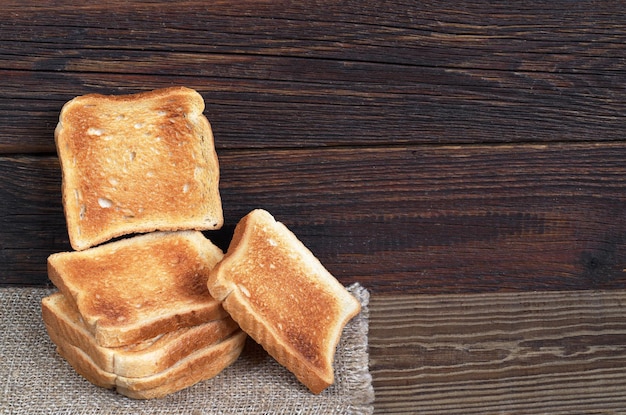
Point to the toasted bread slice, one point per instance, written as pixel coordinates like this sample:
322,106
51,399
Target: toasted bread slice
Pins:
137,163
137,288
137,360
204,364
281,295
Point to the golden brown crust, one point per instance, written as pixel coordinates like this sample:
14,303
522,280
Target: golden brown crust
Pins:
204,364
137,163
199,372
137,360
283,297
316,379
137,288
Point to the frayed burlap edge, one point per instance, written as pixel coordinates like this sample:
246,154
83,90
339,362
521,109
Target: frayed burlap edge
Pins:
36,380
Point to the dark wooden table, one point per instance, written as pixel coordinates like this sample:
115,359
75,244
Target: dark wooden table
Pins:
465,162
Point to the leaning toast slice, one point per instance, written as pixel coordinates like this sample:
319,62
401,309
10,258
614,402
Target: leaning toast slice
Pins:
283,297
137,163
137,288
141,359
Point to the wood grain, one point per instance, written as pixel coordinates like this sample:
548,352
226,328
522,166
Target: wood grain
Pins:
286,75
413,219
530,353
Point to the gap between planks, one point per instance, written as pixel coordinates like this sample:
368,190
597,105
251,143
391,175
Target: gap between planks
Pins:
514,352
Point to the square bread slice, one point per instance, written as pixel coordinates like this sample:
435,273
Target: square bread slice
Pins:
137,288
137,163
283,297
137,360
203,364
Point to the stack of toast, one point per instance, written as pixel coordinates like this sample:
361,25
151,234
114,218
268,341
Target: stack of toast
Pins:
135,314
146,303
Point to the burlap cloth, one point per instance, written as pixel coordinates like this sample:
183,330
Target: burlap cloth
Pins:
34,379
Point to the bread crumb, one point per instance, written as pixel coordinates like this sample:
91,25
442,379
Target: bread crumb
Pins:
244,290
94,131
104,202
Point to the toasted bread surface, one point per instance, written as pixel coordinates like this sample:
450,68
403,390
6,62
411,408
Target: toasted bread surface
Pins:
137,163
283,297
137,360
137,288
201,365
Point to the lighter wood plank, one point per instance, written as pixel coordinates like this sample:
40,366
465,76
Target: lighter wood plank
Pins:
525,352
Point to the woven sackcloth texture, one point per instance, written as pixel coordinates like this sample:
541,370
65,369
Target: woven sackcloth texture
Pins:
36,380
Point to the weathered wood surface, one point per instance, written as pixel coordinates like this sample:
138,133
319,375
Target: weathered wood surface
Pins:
420,219
278,74
420,148
506,353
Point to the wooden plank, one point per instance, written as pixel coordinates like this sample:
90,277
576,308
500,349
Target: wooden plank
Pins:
421,219
479,35
526,352
341,76
416,107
